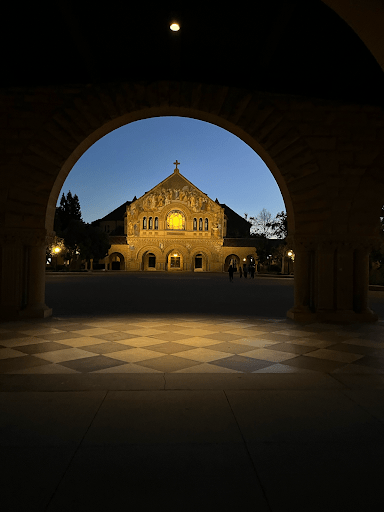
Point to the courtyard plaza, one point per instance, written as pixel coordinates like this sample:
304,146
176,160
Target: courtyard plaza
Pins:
185,394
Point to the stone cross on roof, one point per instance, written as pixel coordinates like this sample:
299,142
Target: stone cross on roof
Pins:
176,163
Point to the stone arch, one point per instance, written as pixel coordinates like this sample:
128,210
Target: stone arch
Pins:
300,140
116,261
149,248
206,258
231,258
181,251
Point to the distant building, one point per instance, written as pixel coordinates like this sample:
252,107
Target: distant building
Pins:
176,227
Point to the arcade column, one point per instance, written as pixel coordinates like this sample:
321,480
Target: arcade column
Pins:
22,281
331,280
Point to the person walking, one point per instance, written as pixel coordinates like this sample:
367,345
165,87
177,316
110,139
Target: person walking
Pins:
245,270
252,271
240,271
230,272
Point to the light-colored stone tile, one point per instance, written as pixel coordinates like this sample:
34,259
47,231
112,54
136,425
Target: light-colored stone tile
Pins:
196,341
254,342
143,341
333,355
194,331
269,355
143,331
25,340
94,331
67,354
82,342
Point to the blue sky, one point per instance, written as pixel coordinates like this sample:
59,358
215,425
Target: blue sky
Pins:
134,158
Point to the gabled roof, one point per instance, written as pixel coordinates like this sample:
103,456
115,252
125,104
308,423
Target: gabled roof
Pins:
117,214
174,181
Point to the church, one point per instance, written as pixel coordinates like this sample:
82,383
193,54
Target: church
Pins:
175,227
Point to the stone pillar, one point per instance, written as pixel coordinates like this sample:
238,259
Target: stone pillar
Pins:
12,291
91,264
22,282
35,286
302,310
331,280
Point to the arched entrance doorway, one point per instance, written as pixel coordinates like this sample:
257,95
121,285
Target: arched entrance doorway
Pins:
116,261
233,260
175,261
200,262
149,261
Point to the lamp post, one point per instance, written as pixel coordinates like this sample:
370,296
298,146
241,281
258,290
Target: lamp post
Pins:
56,251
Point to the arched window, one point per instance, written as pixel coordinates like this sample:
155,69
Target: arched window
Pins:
195,224
156,222
200,224
175,220
206,224
144,222
150,223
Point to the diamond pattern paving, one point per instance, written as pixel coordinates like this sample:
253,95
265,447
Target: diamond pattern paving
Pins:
188,345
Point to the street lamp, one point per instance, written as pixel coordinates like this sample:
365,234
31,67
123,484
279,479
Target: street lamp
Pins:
56,251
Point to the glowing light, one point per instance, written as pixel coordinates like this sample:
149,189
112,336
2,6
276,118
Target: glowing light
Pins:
176,220
56,250
175,27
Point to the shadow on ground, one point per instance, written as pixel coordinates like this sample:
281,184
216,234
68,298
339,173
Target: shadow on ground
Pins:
161,293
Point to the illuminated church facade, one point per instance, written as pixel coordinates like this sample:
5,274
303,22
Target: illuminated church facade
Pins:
175,227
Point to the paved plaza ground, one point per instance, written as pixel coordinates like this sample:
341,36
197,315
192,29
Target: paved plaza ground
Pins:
188,392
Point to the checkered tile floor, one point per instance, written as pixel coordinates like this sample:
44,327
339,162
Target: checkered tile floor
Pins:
180,345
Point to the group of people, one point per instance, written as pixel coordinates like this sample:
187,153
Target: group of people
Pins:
245,270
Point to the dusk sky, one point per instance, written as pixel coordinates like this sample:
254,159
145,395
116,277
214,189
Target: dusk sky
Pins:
136,157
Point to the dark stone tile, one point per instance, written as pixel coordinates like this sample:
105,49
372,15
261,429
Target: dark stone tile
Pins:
39,348
115,336
223,336
291,348
313,363
371,362
20,363
242,364
357,349
73,327
233,348
92,364
170,336
168,363
11,335
169,348
105,348
58,336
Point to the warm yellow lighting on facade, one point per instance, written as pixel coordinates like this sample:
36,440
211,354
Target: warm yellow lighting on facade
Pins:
175,27
175,220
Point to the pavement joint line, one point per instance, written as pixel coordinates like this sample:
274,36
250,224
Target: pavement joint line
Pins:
74,453
249,455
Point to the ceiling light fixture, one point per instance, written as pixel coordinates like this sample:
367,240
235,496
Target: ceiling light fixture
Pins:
174,26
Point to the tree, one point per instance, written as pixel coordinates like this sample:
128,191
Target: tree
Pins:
68,210
81,240
279,225
260,224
